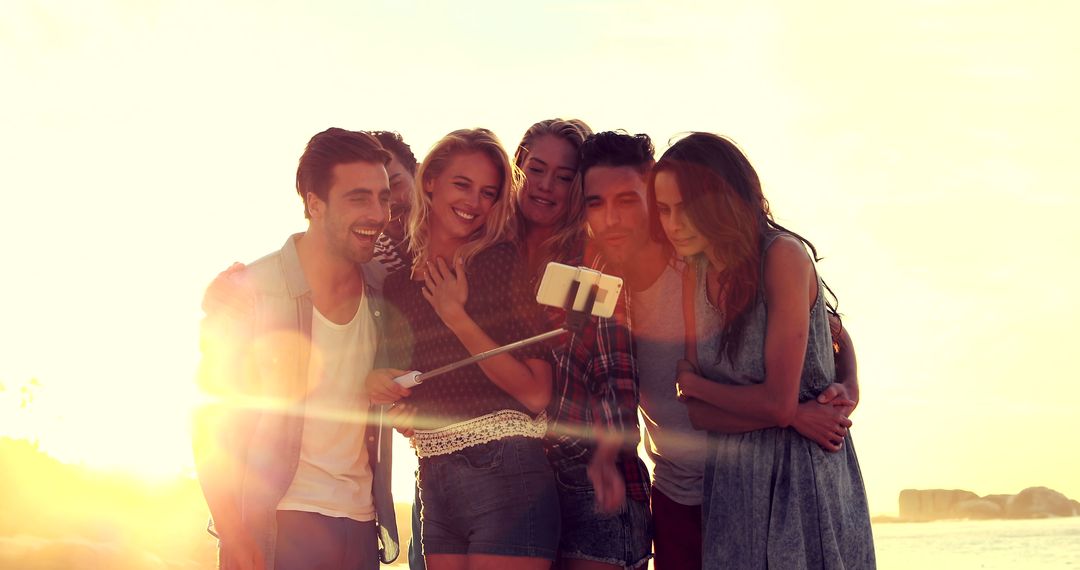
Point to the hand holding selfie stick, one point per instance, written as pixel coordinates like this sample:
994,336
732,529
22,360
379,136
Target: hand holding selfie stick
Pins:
575,322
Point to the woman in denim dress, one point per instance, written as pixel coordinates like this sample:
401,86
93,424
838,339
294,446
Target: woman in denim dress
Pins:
773,499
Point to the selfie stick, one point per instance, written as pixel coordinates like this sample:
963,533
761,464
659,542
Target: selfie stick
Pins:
575,322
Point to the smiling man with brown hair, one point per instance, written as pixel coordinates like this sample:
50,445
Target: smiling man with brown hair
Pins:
292,459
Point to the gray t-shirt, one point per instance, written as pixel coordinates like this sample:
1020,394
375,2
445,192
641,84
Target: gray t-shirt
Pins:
677,449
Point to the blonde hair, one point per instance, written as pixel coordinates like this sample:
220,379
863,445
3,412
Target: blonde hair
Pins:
501,220
570,231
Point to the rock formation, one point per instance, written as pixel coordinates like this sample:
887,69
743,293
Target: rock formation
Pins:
1039,502
937,504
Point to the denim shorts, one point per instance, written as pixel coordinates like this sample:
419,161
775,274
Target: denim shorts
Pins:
494,498
623,538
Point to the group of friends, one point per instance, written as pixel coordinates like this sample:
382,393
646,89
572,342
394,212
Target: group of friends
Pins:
724,338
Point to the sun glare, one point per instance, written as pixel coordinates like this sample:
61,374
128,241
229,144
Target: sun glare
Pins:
140,435
924,147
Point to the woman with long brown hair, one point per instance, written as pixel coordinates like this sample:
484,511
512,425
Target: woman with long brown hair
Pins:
772,497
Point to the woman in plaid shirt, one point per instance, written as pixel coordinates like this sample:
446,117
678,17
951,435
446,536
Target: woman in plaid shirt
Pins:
593,431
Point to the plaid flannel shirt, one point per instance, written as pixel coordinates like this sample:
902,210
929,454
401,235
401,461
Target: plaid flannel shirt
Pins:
596,387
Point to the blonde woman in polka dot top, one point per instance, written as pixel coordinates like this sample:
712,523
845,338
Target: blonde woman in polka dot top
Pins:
488,494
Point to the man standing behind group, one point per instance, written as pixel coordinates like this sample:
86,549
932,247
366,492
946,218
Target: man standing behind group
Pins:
292,459
391,250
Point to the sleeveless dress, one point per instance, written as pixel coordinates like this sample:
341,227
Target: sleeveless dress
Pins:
774,499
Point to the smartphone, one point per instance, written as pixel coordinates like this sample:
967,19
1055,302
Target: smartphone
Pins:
558,278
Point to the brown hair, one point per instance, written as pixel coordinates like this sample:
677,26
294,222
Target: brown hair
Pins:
723,199
328,149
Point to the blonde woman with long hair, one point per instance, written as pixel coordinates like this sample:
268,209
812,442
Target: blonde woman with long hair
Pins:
592,441
488,494
551,214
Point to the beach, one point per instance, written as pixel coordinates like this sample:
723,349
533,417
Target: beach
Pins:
1034,544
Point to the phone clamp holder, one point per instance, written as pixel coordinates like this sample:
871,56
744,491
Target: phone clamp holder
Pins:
576,321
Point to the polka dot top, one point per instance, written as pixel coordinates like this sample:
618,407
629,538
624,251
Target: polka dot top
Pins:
500,302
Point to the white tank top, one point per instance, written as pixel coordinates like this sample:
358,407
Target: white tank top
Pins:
334,477
675,447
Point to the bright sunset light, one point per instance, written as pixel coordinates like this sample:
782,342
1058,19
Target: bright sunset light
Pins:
926,148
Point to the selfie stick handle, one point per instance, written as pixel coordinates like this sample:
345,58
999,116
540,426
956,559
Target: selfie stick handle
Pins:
416,378
409,379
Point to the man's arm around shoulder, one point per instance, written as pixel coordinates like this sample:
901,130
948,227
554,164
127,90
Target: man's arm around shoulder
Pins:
221,422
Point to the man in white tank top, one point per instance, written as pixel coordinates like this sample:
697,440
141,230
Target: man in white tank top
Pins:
293,460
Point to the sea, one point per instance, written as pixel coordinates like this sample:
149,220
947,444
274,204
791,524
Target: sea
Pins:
1036,544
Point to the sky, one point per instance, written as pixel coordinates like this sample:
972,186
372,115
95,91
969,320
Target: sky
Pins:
926,148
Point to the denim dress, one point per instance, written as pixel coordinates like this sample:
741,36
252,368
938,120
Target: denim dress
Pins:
772,498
